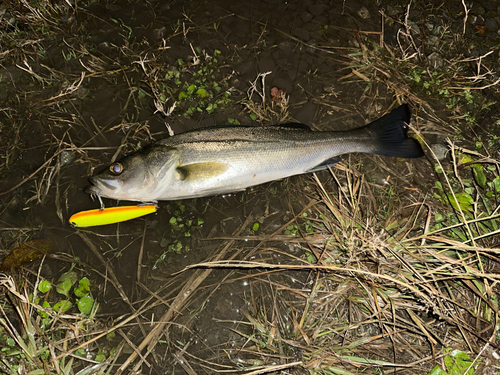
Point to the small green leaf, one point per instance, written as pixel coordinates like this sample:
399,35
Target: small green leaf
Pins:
175,247
457,362
44,286
65,282
496,184
253,116
255,226
191,89
462,202
438,217
438,168
83,288
62,306
182,95
310,257
491,168
36,300
437,371
479,175
141,94
202,93
85,304
464,158
42,313
469,189
82,352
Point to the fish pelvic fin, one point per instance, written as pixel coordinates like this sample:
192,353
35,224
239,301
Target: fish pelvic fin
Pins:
391,135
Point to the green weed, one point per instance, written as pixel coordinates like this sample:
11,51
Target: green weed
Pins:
196,87
456,362
45,321
472,191
177,240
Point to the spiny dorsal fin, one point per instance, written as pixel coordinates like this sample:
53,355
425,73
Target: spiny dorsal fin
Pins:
294,125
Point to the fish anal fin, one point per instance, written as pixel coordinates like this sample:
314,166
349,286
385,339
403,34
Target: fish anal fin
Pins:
323,165
198,171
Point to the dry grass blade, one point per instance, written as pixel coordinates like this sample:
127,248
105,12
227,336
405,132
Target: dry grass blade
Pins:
270,369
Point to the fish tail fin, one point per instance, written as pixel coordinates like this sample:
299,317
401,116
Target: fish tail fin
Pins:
391,136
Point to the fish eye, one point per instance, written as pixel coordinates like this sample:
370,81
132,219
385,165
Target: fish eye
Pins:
116,168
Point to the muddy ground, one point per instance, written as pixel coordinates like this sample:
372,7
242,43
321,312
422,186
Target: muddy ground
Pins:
101,81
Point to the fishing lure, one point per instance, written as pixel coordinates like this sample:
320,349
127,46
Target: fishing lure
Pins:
110,215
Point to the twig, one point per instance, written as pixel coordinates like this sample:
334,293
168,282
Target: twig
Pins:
466,16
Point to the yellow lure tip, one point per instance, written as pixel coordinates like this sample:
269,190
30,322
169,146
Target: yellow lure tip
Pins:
110,215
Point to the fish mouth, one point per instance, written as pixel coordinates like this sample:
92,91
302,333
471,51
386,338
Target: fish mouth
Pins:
99,186
92,190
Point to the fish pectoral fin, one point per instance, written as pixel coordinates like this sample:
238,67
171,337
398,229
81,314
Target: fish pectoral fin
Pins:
323,165
198,171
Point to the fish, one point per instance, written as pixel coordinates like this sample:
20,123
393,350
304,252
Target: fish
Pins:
112,215
226,159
